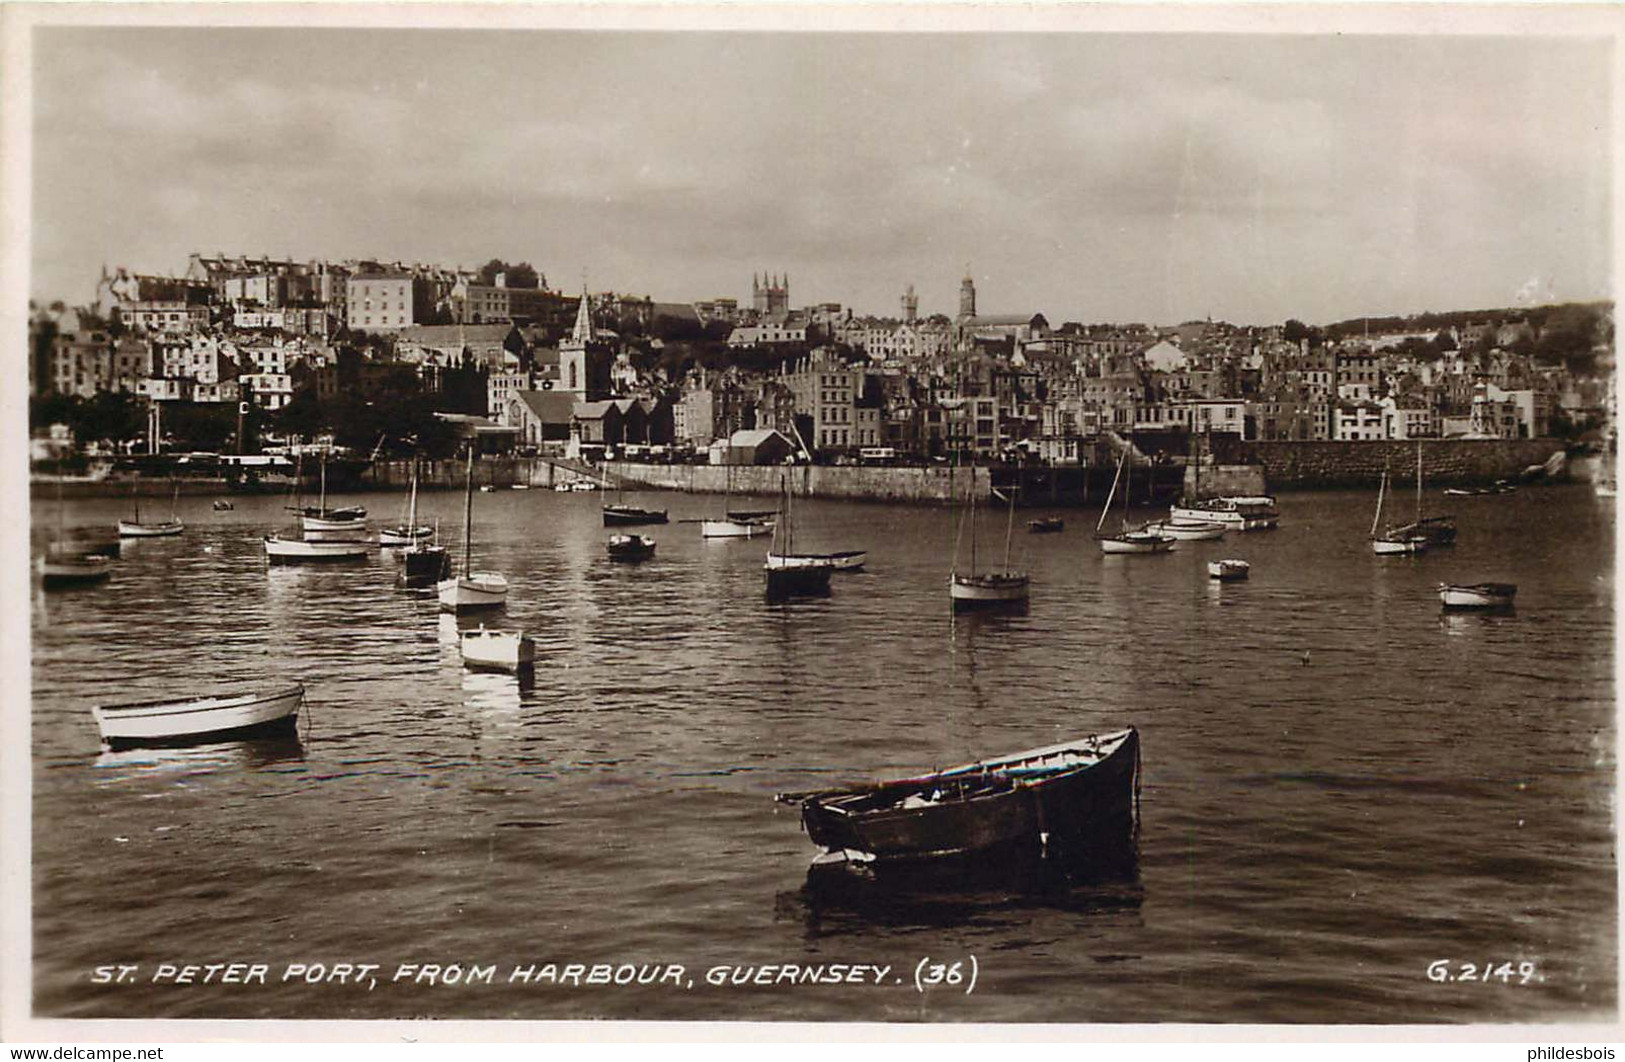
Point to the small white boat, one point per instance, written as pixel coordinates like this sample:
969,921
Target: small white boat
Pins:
987,588
216,715
849,560
132,529
474,590
70,569
1478,595
279,550
403,536
498,650
139,528
1137,542
1394,547
1188,530
583,485
1228,569
221,505
736,528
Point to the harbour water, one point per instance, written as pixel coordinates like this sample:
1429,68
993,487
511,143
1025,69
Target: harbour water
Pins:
1342,784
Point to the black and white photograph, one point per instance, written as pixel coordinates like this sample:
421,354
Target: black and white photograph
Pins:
936,516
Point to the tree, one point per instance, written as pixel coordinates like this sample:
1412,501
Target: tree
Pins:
518,275
1442,343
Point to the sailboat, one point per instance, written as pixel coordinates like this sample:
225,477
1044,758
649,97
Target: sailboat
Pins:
136,529
1391,542
64,565
792,574
992,588
321,524
298,550
472,589
619,514
1128,540
738,523
1436,530
410,532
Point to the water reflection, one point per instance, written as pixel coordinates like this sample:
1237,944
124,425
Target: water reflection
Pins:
1459,624
249,754
836,900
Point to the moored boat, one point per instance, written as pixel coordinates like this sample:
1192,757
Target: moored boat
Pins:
1129,540
498,650
279,550
988,589
424,564
1046,525
1238,513
59,568
221,505
403,535
630,547
163,528
739,525
1228,569
216,715
786,572
631,516
1073,803
1188,530
1477,595
472,589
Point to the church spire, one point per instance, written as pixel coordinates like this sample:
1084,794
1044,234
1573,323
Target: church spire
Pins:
582,333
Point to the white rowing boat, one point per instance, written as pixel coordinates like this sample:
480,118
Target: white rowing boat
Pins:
217,715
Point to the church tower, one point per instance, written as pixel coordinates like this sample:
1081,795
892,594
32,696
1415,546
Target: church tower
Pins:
911,306
573,352
967,296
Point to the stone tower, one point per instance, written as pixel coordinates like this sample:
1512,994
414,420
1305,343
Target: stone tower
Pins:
770,295
911,305
967,296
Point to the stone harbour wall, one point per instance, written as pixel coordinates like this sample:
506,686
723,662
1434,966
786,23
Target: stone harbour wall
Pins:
926,485
1445,462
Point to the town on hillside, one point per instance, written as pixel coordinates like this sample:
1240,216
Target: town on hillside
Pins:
244,354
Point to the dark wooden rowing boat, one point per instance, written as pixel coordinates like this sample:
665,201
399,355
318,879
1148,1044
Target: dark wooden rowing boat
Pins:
631,516
1072,804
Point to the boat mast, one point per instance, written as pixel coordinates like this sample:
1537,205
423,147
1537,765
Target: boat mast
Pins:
412,506
1009,526
1419,481
468,516
973,519
323,502
1376,517
1111,496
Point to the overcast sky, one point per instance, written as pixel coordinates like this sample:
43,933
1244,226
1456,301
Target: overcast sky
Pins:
1089,177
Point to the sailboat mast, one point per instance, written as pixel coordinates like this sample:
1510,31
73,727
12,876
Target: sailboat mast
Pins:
1376,517
1111,495
412,506
468,516
973,520
323,502
1009,527
1419,481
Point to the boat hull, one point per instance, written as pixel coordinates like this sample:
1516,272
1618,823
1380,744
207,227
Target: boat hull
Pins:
511,651
1395,547
297,551
1136,543
211,717
629,516
735,528
1072,803
355,531
58,572
1481,596
797,576
469,592
1185,531
987,591
401,536
1237,514
630,547
1048,526
424,566
131,529
1228,570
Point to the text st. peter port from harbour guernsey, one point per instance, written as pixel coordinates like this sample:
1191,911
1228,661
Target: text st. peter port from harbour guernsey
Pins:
993,605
